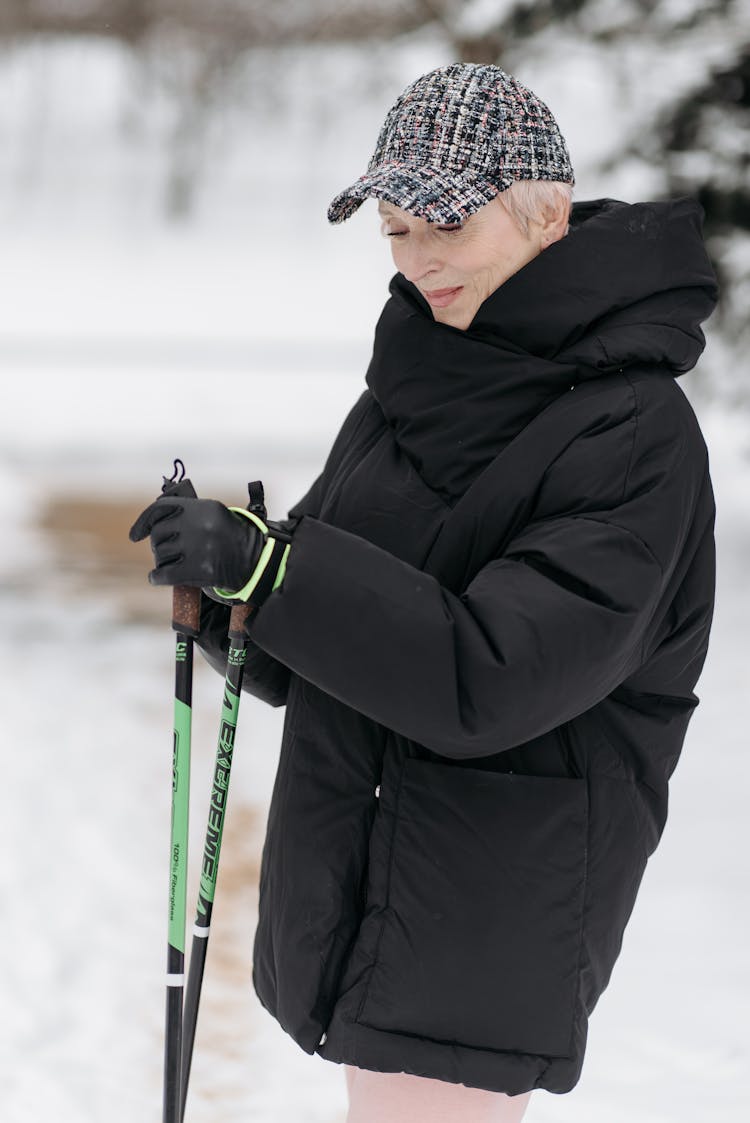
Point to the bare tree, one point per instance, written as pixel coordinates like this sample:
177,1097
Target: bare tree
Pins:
698,137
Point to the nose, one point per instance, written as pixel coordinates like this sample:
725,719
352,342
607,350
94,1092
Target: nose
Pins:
415,258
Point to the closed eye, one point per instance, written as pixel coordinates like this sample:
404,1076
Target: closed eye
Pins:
456,229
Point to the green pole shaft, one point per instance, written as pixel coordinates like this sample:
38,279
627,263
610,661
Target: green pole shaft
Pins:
186,621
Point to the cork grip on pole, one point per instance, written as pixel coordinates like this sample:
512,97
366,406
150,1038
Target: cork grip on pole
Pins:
239,615
186,610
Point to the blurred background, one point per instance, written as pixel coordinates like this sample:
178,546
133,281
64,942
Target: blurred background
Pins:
169,286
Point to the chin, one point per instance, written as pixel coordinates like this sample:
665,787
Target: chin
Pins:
458,320
456,315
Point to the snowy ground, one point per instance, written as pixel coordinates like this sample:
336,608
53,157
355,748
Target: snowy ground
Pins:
86,670
239,346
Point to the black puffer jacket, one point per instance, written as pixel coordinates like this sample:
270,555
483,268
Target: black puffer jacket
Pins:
496,608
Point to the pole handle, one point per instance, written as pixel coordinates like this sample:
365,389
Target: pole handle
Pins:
186,610
237,618
186,601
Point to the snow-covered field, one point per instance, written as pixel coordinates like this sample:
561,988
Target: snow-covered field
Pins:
238,344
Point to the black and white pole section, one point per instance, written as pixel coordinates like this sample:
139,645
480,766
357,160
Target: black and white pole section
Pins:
214,831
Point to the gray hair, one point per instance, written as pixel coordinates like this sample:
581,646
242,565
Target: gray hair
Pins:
532,200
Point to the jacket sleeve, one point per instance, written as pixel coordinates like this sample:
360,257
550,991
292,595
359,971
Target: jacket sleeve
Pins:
541,634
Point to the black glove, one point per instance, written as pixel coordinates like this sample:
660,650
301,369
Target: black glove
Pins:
198,542
201,542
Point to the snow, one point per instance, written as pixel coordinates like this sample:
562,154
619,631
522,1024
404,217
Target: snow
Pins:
477,17
238,342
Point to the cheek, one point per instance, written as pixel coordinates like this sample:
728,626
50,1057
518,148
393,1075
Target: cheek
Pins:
401,255
507,260
484,265
488,278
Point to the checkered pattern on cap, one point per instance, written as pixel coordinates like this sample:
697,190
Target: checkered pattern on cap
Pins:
453,140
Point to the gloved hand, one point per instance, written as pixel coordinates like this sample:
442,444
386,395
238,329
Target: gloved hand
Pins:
201,542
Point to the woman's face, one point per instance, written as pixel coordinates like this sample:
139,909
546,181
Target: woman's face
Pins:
456,267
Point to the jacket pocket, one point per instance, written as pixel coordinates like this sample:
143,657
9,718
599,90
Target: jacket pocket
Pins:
481,931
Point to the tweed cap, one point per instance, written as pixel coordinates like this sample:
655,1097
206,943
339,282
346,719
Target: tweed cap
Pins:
453,140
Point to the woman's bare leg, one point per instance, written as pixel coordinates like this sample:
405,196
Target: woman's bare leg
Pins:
397,1097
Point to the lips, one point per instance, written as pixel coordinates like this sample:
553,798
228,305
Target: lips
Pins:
440,298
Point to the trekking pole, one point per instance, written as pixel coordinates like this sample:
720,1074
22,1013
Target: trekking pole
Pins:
186,609
214,830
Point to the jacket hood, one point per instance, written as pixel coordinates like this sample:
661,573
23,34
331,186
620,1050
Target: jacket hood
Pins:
628,286
630,283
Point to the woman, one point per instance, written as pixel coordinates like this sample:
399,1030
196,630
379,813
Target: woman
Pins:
486,618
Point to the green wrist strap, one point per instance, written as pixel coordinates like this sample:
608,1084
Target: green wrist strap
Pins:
271,544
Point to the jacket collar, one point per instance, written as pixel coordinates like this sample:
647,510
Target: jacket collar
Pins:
630,284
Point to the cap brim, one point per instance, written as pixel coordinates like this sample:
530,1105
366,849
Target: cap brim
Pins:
431,193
